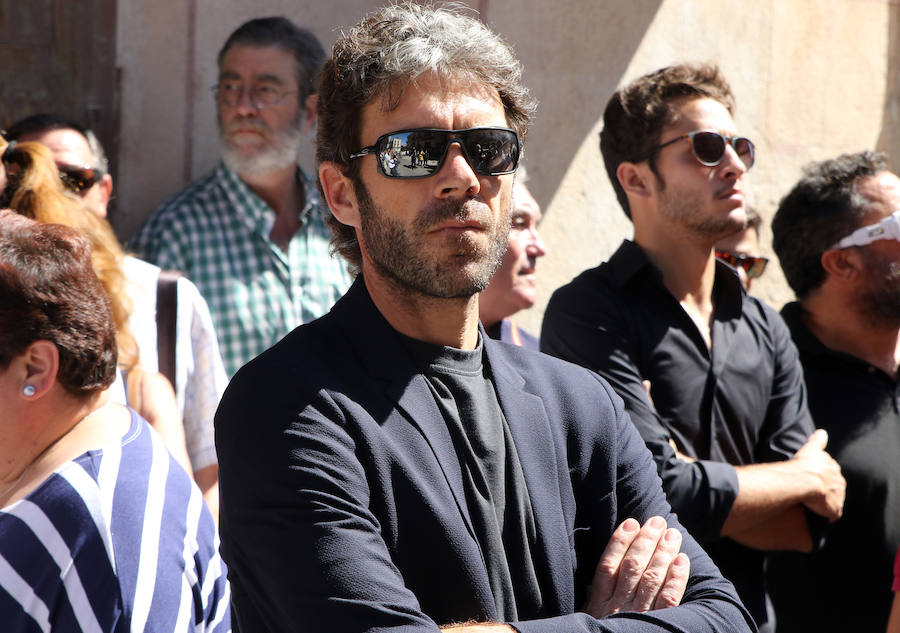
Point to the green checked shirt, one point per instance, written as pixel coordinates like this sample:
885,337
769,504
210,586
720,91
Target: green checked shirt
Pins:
216,231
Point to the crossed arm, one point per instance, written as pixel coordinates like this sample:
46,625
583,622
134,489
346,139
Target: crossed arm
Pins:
763,505
310,545
641,569
768,513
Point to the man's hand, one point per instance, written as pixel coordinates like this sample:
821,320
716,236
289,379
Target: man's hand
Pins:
828,498
640,570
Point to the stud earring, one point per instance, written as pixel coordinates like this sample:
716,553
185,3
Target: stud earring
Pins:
29,391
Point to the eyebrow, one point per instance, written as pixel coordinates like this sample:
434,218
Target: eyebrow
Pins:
261,78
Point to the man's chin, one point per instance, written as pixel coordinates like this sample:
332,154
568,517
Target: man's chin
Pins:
244,146
257,162
525,300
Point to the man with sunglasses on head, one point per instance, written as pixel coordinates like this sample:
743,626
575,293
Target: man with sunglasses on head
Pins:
740,250
389,467
709,375
79,156
252,234
837,236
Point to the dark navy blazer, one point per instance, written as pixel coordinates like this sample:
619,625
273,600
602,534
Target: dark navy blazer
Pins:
342,504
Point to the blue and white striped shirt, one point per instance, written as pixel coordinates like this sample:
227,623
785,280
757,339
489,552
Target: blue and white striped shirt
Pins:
115,540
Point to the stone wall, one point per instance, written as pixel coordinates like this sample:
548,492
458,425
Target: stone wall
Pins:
812,78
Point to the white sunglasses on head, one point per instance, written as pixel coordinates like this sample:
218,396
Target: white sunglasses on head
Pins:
887,229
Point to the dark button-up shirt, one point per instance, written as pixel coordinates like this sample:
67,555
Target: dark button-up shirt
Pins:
741,402
859,405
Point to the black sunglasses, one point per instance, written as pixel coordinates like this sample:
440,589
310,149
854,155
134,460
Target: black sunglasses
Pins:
78,179
753,266
709,147
490,151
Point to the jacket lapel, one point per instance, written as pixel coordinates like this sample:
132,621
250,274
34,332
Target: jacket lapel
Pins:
384,357
529,425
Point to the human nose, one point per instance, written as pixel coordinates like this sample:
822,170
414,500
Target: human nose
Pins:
536,246
456,176
732,165
245,102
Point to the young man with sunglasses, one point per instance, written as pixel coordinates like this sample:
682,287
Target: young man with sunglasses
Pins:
389,467
837,236
709,375
252,234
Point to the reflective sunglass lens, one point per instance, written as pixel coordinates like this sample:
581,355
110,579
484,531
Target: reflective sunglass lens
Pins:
755,266
77,180
406,155
492,151
709,148
420,153
744,148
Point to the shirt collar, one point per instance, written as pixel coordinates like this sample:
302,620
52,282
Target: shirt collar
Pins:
804,339
255,212
630,262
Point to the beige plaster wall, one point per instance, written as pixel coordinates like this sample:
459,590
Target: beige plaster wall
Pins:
813,78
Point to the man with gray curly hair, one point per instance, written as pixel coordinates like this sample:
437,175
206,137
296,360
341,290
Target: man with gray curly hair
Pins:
389,467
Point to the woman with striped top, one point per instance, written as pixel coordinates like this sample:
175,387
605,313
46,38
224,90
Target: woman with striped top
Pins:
100,529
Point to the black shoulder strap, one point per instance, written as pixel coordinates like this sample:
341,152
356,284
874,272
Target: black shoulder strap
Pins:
166,318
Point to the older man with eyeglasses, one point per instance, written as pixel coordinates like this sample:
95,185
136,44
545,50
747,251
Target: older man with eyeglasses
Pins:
252,234
725,414
837,236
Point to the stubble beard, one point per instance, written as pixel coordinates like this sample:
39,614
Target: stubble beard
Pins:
402,253
684,208
880,300
281,150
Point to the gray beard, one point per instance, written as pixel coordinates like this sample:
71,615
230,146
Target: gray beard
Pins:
280,153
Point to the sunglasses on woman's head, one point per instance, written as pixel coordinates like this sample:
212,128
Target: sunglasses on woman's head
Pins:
709,147
419,153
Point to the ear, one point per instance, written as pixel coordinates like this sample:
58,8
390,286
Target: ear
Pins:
106,188
340,194
635,179
41,363
310,112
844,264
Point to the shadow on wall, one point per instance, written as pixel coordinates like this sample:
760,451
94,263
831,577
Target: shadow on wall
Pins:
889,140
565,72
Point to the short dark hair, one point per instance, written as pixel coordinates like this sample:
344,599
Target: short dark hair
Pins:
822,208
48,121
391,47
49,291
282,33
636,114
